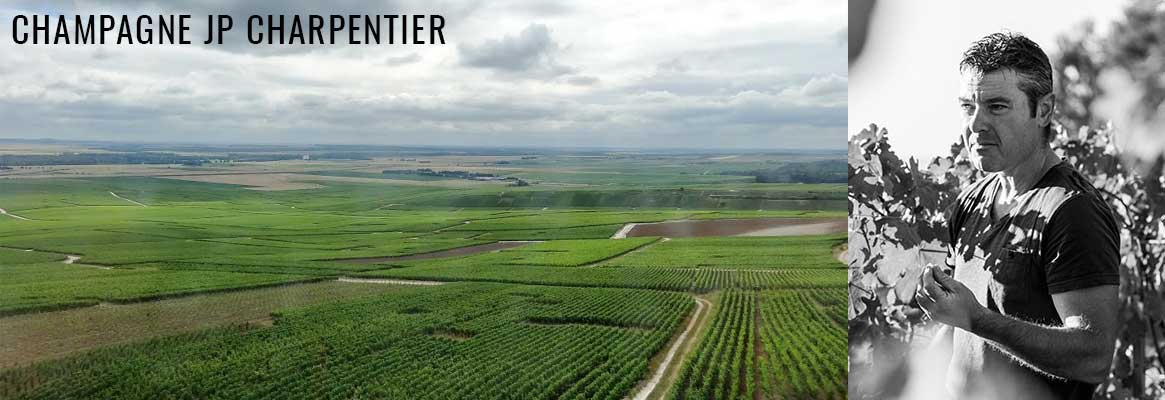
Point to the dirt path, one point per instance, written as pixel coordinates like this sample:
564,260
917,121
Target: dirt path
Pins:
622,233
459,251
389,281
5,212
72,260
698,318
131,201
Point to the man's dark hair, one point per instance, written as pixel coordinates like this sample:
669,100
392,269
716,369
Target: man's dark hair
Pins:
1014,51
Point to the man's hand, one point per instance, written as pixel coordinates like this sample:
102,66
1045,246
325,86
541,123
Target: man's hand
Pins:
1080,348
946,300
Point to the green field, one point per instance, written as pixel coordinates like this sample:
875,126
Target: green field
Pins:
606,309
486,340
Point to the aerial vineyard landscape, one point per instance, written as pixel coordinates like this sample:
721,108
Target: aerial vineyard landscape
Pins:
419,273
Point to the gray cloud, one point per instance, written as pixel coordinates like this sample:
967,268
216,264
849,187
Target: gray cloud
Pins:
672,65
531,50
831,84
545,8
402,60
582,80
84,86
103,53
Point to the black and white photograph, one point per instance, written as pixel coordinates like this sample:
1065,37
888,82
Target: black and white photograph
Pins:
1006,226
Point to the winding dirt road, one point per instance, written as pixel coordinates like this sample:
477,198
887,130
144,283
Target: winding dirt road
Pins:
5,212
661,370
622,233
131,201
72,260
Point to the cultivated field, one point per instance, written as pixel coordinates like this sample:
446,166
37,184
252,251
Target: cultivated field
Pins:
333,279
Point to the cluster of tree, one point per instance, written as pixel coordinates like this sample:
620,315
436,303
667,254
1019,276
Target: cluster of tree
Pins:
444,174
455,174
823,171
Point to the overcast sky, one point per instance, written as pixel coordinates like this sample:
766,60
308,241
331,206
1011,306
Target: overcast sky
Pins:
908,77
751,74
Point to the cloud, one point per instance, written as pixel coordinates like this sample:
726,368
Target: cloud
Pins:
672,65
825,89
402,60
582,80
546,8
82,87
531,51
743,108
102,53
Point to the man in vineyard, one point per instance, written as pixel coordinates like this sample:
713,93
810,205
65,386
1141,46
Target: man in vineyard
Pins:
1031,305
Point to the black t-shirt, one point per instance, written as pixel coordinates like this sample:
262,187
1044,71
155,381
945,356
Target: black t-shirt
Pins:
1059,237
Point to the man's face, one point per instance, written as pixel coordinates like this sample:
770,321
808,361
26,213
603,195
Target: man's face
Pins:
999,130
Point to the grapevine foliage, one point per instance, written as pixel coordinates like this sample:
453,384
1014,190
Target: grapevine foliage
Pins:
897,225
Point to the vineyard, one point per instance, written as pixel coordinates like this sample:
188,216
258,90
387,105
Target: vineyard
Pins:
791,346
686,279
174,288
390,347
33,283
